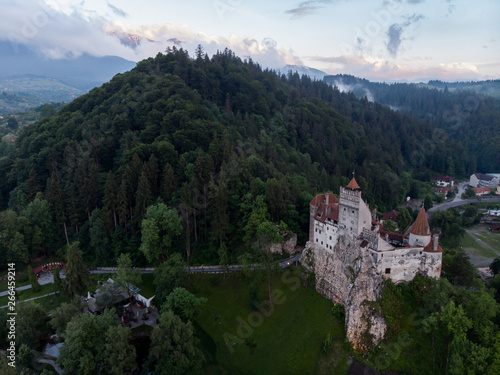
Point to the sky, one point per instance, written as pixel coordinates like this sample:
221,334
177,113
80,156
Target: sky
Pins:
380,40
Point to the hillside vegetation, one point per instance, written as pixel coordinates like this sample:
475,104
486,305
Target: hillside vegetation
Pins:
466,113
218,138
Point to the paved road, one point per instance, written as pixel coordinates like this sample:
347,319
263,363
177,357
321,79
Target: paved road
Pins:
460,202
204,269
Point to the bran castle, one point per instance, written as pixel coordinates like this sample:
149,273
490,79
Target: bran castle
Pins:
351,255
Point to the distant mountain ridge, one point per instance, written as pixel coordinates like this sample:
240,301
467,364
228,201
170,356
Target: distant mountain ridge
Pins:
57,80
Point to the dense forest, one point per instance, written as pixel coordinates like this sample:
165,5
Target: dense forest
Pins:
468,118
219,142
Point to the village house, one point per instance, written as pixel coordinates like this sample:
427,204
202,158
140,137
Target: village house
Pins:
445,181
482,180
393,215
442,190
480,191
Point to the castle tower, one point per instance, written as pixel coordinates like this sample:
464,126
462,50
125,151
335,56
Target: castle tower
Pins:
354,213
420,233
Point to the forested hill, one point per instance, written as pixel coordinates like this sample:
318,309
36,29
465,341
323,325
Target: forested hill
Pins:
469,112
220,136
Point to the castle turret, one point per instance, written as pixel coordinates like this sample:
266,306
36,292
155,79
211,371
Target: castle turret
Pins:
420,234
354,213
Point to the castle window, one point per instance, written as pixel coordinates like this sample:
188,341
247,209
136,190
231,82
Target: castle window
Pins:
344,208
387,271
352,211
316,229
330,237
322,242
316,240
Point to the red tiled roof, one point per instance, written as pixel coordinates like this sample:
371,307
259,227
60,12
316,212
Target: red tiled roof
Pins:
421,226
326,210
484,189
393,215
430,247
443,190
353,185
321,197
495,227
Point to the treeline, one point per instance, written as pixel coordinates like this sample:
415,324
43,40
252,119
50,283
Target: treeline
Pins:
217,139
469,121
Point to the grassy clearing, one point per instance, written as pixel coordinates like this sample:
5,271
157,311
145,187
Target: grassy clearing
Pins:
488,246
57,300
288,341
4,286
147,286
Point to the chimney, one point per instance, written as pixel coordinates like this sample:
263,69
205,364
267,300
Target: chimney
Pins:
374,214
386,238
326,199
435,239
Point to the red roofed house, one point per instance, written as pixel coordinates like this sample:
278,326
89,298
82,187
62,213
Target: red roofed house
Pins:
396,256
482,190
442,190
393,215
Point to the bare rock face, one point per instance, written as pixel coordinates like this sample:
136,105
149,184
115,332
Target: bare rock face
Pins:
287,246
347,275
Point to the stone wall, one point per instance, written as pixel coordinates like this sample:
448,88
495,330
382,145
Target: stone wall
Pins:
348,275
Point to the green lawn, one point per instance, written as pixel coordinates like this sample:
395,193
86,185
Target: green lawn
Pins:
488,248
3,286
28,293
147,286
286,341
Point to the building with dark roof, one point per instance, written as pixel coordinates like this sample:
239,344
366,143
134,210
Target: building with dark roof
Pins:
483,180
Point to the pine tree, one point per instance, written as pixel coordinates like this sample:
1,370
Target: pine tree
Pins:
35,285
110,203
57,279
143,198
220,208
125,196
151,170
72,206
169,183
55,196
33,185
91,188
77,278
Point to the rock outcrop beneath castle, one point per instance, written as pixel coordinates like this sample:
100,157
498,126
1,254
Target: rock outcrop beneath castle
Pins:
347,274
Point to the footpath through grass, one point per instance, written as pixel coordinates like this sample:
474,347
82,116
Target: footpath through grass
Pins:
286,339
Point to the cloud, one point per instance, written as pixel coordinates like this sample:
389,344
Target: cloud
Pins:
307,7
378,69
395,31
119,12
55,34
394,34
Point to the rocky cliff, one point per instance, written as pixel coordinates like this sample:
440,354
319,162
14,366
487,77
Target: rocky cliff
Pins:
347,275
